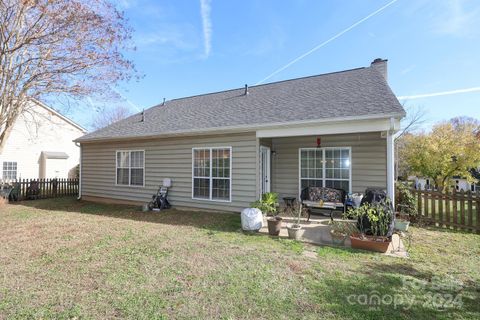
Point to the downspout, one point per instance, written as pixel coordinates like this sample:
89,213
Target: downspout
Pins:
79,172
391,161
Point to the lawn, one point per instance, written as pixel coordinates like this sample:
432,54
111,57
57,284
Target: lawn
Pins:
64,258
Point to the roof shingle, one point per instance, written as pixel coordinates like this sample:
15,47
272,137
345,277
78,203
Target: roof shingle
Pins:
357,92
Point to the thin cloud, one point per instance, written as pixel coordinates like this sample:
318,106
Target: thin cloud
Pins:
441,93
457,18
326,42
205,9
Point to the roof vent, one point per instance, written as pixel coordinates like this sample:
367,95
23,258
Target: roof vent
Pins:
163,103
143,116
246,89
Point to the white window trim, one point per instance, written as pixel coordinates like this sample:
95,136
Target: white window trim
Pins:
210,176
324,178
9,170
129,185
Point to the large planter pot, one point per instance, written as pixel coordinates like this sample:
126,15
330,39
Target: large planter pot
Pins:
370,243
401,225
274,225
338,238
294,232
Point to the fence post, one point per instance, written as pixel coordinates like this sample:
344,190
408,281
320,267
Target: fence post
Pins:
477,208
433,205
441,198
462,207
419,201
448,204
425,203
470,209
455,204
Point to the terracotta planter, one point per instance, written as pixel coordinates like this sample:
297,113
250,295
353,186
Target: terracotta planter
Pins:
370,243
294,232
274,225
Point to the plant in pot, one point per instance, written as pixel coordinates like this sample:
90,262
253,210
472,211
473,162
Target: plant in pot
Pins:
406,207
294,230
340,230
374,222
268,205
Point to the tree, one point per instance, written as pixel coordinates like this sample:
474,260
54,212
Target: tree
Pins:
67,48
106,116
411,123
448,150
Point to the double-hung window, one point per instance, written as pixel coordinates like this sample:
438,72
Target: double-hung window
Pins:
9,170
130,167
325,167
211,173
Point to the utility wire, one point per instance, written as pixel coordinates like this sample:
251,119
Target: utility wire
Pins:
326,42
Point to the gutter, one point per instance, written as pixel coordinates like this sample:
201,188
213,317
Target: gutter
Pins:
247,128
79,172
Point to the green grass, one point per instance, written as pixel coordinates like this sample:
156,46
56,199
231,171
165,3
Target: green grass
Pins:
68,259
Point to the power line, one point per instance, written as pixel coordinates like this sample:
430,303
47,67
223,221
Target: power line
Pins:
326,42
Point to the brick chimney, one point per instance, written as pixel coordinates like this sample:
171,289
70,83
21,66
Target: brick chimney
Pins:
380,65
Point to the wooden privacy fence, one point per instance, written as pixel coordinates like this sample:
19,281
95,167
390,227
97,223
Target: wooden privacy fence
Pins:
452,209
47,188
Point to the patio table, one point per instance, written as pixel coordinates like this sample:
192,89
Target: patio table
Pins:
331,206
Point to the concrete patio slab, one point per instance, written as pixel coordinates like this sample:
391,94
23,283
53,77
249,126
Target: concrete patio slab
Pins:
317,232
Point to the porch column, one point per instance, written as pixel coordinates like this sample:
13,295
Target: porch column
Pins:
391,166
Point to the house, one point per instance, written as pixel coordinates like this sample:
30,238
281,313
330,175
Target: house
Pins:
223,150
458,183
40,145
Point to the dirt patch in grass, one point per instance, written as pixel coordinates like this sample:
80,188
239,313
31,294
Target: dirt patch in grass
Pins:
64,258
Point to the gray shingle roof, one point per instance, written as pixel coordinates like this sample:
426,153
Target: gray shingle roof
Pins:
353,93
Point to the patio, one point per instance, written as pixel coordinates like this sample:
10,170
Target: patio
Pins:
317,232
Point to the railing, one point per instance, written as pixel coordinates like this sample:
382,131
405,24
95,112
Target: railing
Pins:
45,188
452,209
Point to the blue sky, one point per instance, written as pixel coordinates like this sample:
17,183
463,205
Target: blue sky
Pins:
188,47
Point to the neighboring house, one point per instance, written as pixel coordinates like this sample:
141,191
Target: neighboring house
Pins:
40,145
456,182
223,150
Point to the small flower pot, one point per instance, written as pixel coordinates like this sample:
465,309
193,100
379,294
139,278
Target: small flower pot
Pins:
401,225
376,244
294,231
338,238
274,225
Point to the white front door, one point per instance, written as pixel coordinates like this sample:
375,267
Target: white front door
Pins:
264,169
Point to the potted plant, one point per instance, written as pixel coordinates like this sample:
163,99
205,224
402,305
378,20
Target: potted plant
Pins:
374,221
406,208
268,205
294,229
340,230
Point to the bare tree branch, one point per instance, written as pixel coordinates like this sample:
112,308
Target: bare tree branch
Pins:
70,48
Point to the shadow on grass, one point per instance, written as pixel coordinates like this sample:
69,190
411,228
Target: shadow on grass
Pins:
399,291
212,222
215,221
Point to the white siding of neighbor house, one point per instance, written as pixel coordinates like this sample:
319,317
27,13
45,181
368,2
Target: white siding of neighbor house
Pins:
368,160
171,158
41,130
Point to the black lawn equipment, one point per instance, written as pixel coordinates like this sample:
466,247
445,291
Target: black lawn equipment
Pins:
159,200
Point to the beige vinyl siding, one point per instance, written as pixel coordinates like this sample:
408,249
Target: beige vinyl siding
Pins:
171,158
369,164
